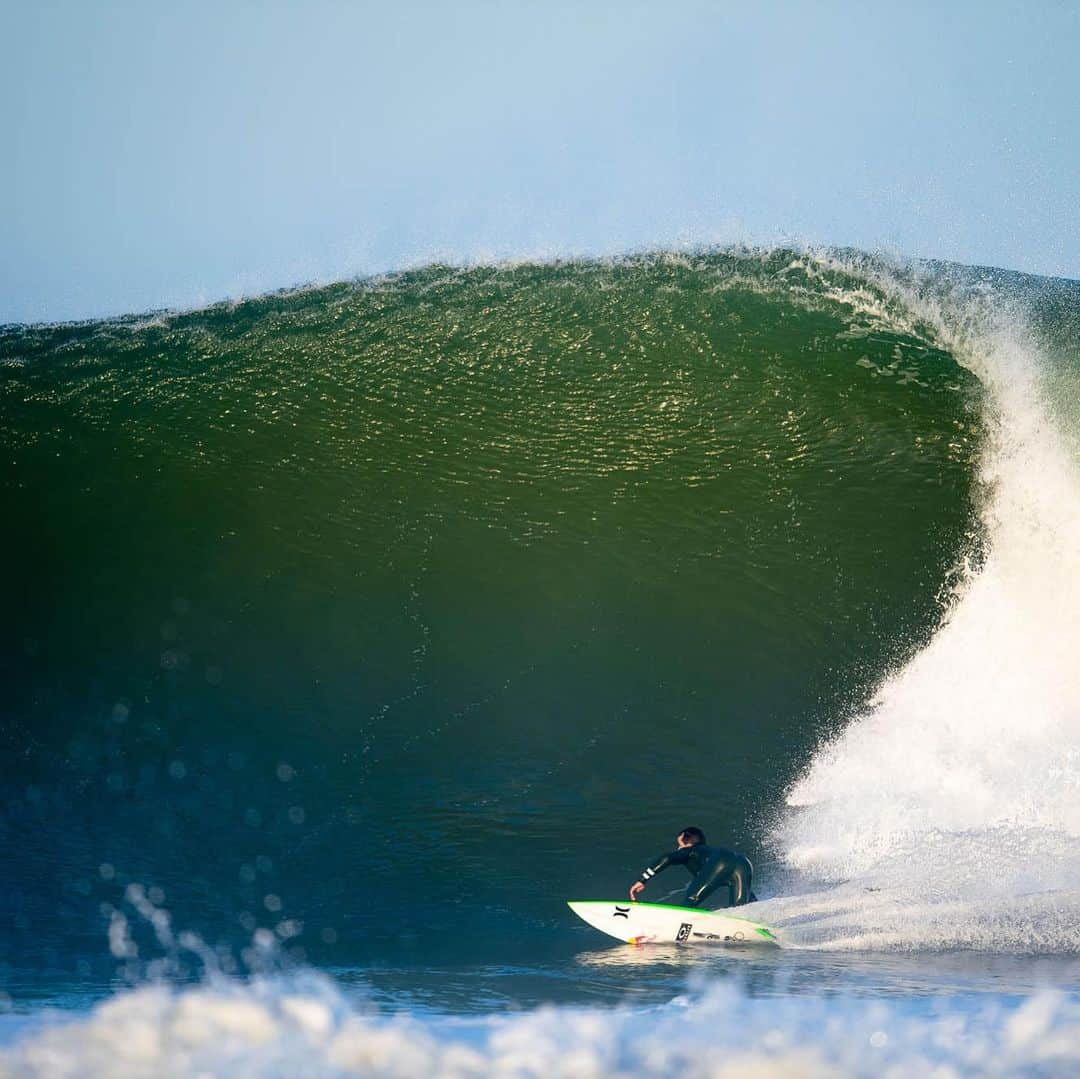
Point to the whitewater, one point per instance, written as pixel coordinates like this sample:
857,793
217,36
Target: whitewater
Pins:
920,859
951,807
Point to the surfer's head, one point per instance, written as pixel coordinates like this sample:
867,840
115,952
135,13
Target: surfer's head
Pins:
690,837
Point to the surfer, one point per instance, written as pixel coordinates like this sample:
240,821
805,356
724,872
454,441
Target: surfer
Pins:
710,868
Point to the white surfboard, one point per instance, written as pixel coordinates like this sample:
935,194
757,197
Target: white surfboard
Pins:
656,923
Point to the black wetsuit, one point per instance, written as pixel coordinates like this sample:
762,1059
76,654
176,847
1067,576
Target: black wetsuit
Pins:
710,867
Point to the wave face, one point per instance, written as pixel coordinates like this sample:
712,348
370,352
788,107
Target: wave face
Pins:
387,615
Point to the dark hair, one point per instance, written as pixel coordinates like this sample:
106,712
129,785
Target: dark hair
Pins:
696,834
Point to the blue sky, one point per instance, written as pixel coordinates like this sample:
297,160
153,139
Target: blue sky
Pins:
160,155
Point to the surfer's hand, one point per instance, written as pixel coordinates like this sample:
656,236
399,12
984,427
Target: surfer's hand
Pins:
636,889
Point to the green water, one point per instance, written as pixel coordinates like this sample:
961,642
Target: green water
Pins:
433,600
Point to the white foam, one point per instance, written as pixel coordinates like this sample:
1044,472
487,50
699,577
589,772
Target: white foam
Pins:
956,795
267,1028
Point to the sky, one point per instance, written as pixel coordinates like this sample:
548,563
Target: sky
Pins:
159,155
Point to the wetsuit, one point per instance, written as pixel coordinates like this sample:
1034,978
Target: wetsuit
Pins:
710,867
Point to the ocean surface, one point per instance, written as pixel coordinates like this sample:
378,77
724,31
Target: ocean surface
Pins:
348,632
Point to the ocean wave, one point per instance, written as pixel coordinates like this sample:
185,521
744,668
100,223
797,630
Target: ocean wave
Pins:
473,561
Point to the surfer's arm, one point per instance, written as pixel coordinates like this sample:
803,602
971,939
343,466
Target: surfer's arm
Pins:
676,857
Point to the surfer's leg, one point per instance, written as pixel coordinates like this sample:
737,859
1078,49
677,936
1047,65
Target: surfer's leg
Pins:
701,887
741,876
694,893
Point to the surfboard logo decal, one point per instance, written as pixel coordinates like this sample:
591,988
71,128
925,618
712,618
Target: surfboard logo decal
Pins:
621,912
684,932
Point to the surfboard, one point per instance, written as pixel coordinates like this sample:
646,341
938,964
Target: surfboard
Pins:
656,923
